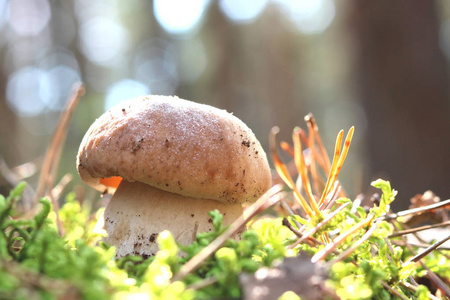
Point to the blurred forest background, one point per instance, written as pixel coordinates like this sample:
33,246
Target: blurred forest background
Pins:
379,65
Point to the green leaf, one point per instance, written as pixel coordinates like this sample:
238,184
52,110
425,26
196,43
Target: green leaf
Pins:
407,269
422,293
7,205
388,194
289,295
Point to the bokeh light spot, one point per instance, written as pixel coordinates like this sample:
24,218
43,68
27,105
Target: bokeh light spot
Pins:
179,16
155,65
309,16
62,78
27,91
192,60
123,90
58,56
103,40
444,38
28,17
242,12
3,11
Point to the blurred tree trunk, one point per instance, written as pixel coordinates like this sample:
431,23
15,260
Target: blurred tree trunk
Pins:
253,72
403,83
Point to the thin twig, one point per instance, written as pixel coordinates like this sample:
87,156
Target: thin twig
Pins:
311,240
401,244
355,245
411,287
286,223
412,230
391,250
271,197
430,274
330,247
421,209
397,224
287,208
436,280
429,249
202,284
393,291
389,246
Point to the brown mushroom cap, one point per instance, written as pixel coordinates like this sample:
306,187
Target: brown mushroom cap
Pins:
176,145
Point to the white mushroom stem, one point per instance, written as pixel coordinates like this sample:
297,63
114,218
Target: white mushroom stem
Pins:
137,212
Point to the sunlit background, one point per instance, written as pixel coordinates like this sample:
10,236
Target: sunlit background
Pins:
270,62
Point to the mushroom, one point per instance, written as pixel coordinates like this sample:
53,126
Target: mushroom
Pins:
171,161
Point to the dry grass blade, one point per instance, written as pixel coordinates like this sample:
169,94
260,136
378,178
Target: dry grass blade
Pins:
304,137
314,130
417,229
59,188
53,153
316,179
330,247
337,152
25,170
284,173
287,148
271,197
302,170
343,156
52,156
331,198
338,161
